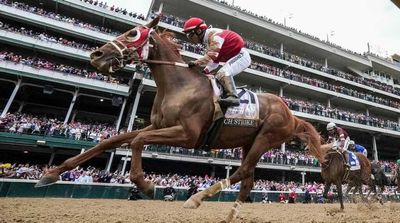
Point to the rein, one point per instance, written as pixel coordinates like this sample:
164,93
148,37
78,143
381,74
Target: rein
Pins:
165,63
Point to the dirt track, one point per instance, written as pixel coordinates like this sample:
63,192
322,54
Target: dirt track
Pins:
90,210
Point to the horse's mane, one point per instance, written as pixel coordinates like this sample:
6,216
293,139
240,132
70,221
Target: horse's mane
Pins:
168,38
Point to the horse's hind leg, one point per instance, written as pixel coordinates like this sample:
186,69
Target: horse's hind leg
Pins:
245,187
52,175
346,195
363,198
340,193
326,189
245,171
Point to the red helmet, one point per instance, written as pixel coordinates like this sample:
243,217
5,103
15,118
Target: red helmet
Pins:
194,23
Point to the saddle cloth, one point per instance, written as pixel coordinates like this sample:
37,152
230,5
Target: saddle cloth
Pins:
244,115
353,161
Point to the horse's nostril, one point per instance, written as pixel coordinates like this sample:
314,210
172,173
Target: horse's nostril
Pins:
96,54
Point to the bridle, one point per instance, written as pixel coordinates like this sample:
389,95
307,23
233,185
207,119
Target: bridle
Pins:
136,50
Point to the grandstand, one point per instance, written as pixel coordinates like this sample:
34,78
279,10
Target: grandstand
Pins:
54,105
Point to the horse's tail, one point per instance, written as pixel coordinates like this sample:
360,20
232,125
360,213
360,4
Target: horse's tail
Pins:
309,135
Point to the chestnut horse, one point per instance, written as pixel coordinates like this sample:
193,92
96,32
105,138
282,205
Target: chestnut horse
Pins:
333,171
183,111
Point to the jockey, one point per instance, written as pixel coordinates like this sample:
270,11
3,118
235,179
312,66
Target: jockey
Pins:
222,46
357,148
341,140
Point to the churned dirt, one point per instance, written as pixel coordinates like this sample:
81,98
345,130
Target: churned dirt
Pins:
118,211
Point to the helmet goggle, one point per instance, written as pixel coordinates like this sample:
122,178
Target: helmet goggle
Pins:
190,33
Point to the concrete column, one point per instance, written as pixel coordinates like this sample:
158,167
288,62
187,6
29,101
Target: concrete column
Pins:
281,92
303,178
82,151
161,7
74,115
71,106
213,171
11,99
21,106
120,115
125,159
109,161
398,120
53,154
283,176
367,112
328,103
326,63
283,147
374,148
124,165
281,49
135,107
228,169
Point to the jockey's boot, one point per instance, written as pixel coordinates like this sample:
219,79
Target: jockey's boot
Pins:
231,98
346,159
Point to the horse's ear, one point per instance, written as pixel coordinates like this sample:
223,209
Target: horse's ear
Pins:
153,22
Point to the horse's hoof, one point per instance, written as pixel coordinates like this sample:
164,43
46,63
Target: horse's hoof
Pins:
191,203
149,191
47,181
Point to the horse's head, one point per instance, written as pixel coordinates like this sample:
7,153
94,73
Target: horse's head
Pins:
131,46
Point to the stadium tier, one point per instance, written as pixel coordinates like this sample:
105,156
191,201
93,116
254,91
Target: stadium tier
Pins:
54,104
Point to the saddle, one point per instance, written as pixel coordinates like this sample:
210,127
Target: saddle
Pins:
244,115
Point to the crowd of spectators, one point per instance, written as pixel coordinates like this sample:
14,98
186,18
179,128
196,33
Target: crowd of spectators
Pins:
371,82
39,63
46,37
95,175
359,118
176,21
274,156
58,17
41,125
114,8
288,74
21,123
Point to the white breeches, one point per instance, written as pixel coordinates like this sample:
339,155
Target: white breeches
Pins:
236,64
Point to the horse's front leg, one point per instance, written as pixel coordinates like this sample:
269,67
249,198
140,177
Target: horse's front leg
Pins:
173,136
52,175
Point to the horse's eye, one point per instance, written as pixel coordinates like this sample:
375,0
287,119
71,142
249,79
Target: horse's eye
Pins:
132,34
